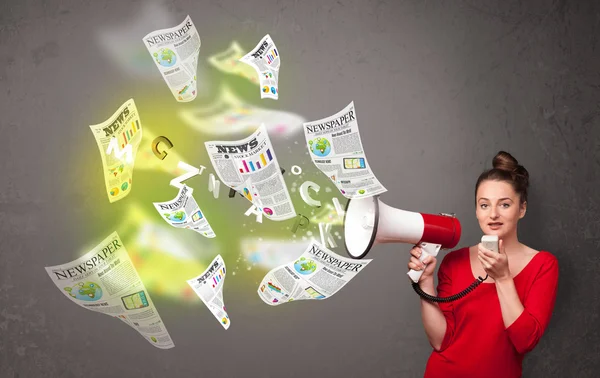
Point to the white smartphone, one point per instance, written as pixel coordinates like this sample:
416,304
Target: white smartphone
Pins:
490,242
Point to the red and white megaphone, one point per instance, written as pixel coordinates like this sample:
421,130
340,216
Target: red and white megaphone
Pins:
368,221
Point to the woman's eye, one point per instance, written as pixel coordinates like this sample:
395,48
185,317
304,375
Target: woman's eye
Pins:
505,205
483,205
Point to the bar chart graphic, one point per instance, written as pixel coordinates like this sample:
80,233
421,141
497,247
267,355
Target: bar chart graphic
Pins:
271,56
218,277
255,165
129,133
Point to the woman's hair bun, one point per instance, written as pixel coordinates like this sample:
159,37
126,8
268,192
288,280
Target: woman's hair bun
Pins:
506,162
507,168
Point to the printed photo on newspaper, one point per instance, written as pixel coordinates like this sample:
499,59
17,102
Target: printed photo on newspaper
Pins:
104,280
209,287
317,274
184,212
250,167
118,139
266,61
336,149
228,61
175,52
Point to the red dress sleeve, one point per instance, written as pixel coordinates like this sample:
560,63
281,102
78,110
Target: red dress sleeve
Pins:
444,289
526,331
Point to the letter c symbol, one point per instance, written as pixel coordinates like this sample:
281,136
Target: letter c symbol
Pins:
161,154
306,196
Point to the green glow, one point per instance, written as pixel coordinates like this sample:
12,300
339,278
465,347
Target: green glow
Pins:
165,257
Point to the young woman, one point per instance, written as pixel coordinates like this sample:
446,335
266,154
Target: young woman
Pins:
488,332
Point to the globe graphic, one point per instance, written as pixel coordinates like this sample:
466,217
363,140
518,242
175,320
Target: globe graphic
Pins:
177,216
88,291
165,57
305,266
320,147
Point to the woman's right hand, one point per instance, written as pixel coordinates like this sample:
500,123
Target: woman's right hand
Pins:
428,263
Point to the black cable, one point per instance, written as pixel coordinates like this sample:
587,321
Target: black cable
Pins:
451,298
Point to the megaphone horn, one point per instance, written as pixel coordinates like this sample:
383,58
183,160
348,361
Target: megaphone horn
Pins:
368,221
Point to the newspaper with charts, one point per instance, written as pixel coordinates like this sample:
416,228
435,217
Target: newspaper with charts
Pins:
317,274
265,59
336,149
250,167
209,287
175,52
118,139
104,280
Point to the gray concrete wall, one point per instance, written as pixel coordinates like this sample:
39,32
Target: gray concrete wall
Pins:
439,88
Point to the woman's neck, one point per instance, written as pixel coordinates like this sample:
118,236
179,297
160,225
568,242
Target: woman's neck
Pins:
512,245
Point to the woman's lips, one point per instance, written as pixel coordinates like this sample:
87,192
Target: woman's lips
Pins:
495,226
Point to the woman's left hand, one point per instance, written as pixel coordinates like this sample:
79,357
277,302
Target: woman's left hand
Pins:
494,264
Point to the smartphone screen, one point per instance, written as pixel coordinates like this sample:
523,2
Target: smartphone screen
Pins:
354,163
135,301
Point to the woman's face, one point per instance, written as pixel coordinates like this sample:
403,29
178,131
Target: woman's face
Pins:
498,208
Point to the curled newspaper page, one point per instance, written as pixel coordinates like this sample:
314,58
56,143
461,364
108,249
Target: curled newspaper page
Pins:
250,167
266,61
209,287
336,149
228,61
105,280
228,114
118,139
184,212
175,52
317,274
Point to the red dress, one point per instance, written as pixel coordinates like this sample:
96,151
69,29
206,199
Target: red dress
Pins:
476,343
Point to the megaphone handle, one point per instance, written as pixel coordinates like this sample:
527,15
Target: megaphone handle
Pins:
416,274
